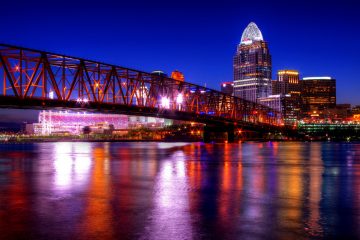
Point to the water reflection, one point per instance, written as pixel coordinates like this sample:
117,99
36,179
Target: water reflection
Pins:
179,190
169,218
72,163
97,215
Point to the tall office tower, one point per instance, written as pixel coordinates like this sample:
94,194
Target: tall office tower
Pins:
318,95
252,66
287,82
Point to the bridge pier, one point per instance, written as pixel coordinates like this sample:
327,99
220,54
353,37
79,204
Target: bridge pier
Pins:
214,133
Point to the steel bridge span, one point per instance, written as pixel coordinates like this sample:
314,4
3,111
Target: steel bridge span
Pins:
43,80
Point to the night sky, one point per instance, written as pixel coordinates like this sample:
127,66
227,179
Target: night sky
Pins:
199,38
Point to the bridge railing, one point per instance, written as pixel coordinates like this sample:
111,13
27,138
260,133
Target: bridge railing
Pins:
28,73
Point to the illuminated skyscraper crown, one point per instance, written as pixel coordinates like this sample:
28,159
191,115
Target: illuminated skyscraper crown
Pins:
250,34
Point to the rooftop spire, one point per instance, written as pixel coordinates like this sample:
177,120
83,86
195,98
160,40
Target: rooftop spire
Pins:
250,34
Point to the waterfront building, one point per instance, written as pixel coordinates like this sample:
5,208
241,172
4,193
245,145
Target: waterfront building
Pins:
318,95
283,104
356,109
54,122
341,112
67,122
148,122
227,88
252,66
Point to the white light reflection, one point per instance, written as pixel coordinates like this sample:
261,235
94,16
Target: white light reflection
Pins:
72,164
63,164
170,218
165,145
82,164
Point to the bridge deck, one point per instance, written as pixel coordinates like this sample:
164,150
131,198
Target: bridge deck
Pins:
39,79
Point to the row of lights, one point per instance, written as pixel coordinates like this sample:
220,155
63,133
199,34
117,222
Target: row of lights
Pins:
79,100
165,101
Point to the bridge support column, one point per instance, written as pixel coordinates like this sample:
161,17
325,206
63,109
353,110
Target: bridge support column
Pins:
231,133
219,133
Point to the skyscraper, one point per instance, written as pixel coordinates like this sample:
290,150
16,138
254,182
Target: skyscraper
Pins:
252,65
287,82
288,85
318,95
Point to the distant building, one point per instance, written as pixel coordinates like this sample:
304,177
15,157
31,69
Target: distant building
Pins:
272,101
61,122
177,75
283,104
227,88
288,84
318,95
148,122
159,73
341,112
356,109
252,66
52,122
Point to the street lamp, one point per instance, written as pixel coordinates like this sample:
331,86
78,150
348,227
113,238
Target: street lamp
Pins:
51,94
179,100
165,102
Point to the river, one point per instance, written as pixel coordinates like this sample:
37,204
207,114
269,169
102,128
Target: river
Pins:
149,190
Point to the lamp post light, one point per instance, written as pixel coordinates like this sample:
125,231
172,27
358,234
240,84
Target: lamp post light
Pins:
51,94
179,100
165,102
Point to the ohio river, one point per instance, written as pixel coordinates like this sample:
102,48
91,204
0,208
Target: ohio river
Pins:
269,190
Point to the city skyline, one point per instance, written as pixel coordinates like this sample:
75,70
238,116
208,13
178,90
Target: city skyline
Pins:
191,46
195,38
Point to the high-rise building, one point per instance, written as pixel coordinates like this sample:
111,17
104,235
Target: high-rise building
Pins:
318,94
227,87
283,104
288,84
252,66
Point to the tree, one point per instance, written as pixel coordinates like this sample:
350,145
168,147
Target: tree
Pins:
86,130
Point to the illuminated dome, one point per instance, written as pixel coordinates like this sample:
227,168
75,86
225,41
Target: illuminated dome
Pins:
250,34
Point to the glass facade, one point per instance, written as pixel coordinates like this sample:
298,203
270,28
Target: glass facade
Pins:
318,94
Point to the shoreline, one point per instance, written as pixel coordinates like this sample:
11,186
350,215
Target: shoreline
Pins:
165,140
